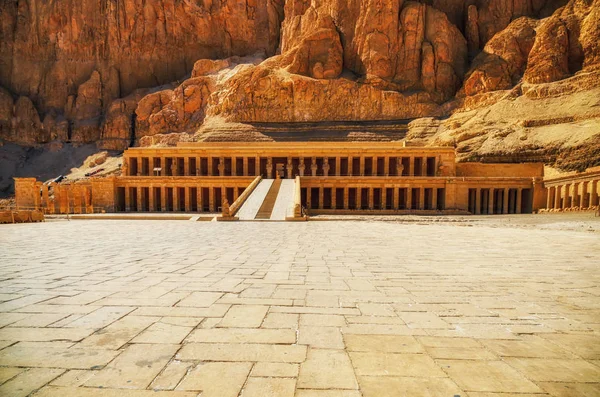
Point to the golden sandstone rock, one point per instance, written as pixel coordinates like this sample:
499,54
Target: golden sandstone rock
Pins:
180,65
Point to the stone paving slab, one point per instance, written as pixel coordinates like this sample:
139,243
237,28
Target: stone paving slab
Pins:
324,309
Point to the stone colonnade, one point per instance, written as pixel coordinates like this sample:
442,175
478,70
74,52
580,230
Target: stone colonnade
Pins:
575,193
266,166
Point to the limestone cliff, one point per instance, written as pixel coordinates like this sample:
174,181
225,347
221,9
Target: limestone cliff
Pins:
126,72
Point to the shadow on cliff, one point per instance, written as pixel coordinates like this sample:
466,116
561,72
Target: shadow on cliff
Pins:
40,163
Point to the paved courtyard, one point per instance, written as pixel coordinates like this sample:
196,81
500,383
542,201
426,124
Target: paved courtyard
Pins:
318,309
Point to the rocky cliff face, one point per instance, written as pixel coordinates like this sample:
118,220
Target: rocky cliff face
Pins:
129,72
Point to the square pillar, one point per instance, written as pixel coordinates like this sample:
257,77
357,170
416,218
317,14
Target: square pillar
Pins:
270,167
188,199
383,200
422,198
346,198
210,166
234,166
478,202
434,202
257,166
289,168
333,198
127,199
519,194
386,166
594,194
411,166
585,201
424,166
198,166
396,198
491,202
211,199
371,204
338,166
186,166
566,192
151,199
321,197
245,166
409,198
358,198
199,198
557,196
175,199
163,166
549,197
361,167
163,199
350,166
174,167
139,199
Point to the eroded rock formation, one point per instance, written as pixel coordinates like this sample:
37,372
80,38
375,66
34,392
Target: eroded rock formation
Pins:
124,72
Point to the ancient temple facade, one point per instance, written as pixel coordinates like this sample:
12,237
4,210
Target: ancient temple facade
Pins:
326,177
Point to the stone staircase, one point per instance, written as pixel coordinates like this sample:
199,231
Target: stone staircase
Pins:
265,210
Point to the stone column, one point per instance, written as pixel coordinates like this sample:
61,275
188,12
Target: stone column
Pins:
371,203
566,192
151,199
163,166
127,199
234,166
188,199
422,198
424,166
434,199
313,166
333,198
350,166
519,194
505,202
198,166
491,202
321,197
174,167
269,167
245,166
549,196
46,197
383,200
199,198
163,199
557,196
175,199
584,202
210,166
358,198
409,198
346,198
478,202
139,199
338,166
396,198
290,168
186,166
326,166
386,166
361,167
411,166
221,166
211,199
594,193
575,200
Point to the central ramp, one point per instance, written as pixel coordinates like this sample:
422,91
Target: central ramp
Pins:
253,203
271,200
